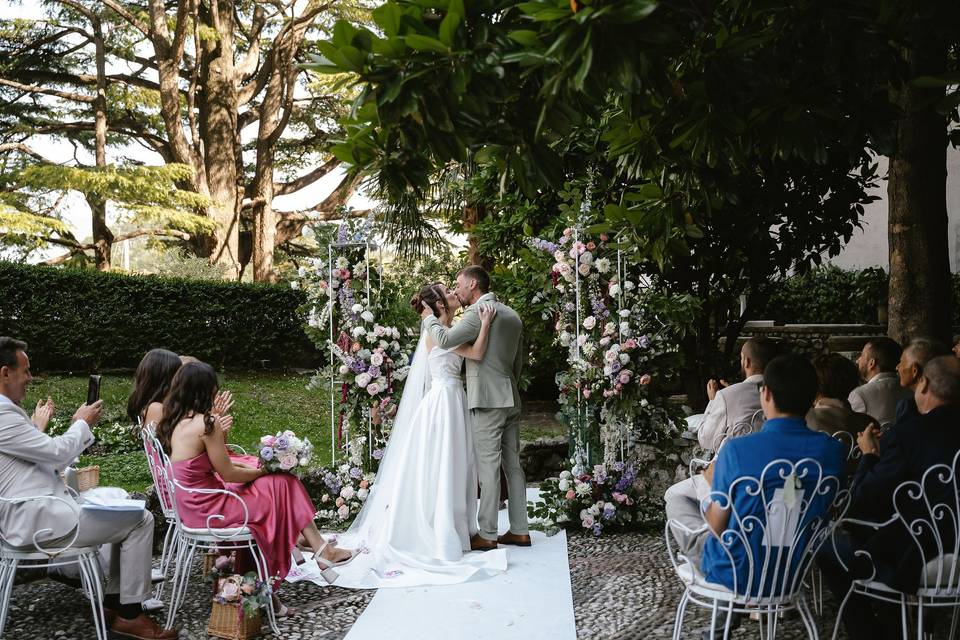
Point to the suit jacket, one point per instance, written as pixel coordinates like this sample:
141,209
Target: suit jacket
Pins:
30,465
491,382
907,450
732,405
878,397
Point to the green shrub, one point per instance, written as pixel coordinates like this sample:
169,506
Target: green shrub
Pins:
77,319
828,295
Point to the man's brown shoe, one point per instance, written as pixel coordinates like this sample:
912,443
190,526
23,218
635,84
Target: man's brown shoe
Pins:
518,539
142,628
479,543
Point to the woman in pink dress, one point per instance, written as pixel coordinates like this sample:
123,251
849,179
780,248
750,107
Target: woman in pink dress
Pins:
278,506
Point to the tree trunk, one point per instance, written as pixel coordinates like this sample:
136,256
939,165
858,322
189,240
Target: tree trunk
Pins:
919,299
102,236
218,128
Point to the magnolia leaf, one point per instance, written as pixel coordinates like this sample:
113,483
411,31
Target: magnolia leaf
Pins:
425,43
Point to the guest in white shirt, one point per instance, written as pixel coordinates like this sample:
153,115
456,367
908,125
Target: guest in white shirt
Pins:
30,465
881,391
730,406
735,404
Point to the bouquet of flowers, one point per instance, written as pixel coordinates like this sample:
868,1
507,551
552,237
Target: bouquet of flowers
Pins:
247,590
284,452
343,490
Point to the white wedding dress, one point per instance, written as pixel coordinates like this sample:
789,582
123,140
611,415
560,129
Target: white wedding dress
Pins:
415,527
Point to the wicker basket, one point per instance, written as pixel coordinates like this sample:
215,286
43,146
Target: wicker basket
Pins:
228,621
209,558
87,478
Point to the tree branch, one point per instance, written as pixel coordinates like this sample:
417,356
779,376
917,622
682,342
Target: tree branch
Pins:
121,11
35,88
286,188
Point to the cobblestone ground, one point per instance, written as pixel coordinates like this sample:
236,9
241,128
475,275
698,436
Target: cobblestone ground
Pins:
623,588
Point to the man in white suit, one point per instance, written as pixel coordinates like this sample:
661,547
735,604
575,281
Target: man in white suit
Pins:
881,391
30,465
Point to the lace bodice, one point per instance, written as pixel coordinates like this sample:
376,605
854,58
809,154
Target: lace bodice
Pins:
444,366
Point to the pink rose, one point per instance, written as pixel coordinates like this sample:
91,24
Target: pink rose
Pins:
624,376
571,494
339,502
630,343
604,237
247,588
288,461
586,393
619,497
229,590
343,512
325,498
268,441
364,484
587,521
645,379
591,245
568,231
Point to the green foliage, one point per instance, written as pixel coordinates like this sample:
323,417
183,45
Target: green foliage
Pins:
828,295
86,320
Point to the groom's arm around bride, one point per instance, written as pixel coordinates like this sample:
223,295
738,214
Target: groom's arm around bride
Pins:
494,399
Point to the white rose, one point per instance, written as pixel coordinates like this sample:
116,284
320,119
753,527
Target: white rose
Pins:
357,308
363,493
581,340
565,475
363,380
587,257
335,284
624,313
610,328
584,268
294,284
347,492
624,358
367,316
373,388
344,369
629,286
304,462
614,289
594,510
359,331
589,322
376,359
565,338
604,341
564,485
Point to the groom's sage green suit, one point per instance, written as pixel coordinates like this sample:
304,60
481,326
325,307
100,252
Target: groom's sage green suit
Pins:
494,401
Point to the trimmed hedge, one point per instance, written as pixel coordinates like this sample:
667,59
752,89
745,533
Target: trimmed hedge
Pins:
76,319
833,295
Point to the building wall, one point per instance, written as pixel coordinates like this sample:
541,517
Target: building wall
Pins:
868,246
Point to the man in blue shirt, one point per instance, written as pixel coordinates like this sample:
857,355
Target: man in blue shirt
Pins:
787,393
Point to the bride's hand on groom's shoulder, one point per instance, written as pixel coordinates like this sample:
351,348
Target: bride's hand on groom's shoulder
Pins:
487,313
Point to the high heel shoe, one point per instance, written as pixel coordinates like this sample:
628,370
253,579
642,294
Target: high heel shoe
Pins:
326,566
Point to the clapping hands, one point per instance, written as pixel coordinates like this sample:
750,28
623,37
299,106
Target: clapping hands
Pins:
41,417
869,440
222,403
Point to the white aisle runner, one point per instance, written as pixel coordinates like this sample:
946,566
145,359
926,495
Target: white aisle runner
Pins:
531,600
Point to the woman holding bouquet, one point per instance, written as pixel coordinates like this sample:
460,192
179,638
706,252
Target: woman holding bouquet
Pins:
278,507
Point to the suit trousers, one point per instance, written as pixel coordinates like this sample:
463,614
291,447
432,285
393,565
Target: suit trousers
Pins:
683,505
496,442
128,536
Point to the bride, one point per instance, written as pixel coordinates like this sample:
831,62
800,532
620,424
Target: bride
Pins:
415,527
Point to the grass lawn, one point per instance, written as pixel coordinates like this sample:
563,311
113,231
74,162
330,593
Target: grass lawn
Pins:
265,402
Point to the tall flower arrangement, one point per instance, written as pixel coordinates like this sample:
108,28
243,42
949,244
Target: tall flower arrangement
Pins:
621,340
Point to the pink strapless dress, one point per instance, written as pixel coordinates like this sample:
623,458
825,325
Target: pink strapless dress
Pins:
278,505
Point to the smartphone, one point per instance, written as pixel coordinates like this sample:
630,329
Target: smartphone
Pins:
93,389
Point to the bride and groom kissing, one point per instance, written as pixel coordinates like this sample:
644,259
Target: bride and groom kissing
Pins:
422,515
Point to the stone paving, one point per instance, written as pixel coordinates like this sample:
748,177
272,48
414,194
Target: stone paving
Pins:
623,588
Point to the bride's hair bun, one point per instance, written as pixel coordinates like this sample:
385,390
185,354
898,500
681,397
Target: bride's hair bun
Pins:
416,303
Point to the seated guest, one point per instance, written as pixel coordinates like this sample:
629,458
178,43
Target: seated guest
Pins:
30,465
731,405
912,361
837,377
907,450
278,507
881,391
956,347
735,403
788,392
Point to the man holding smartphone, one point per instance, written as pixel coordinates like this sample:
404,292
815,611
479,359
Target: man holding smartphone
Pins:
30,465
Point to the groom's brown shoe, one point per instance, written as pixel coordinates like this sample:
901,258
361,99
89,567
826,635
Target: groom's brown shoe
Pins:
518,539
479,543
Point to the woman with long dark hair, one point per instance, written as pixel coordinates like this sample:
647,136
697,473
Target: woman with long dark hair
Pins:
278,507
151,382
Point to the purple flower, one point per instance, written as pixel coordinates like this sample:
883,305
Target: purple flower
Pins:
597,528
377,454
615,367
608,513
342,234
643,342
357,366
266,453
544,245
570,307
355,473
282,442
374,372
619,466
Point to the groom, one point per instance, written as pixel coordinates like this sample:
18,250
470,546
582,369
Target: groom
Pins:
494,400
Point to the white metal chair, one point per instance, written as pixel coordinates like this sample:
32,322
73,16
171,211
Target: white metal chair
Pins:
929,512
40,556
208,538
777,545
170,539
741,428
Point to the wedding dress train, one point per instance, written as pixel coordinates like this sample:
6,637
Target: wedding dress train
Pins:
415,527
